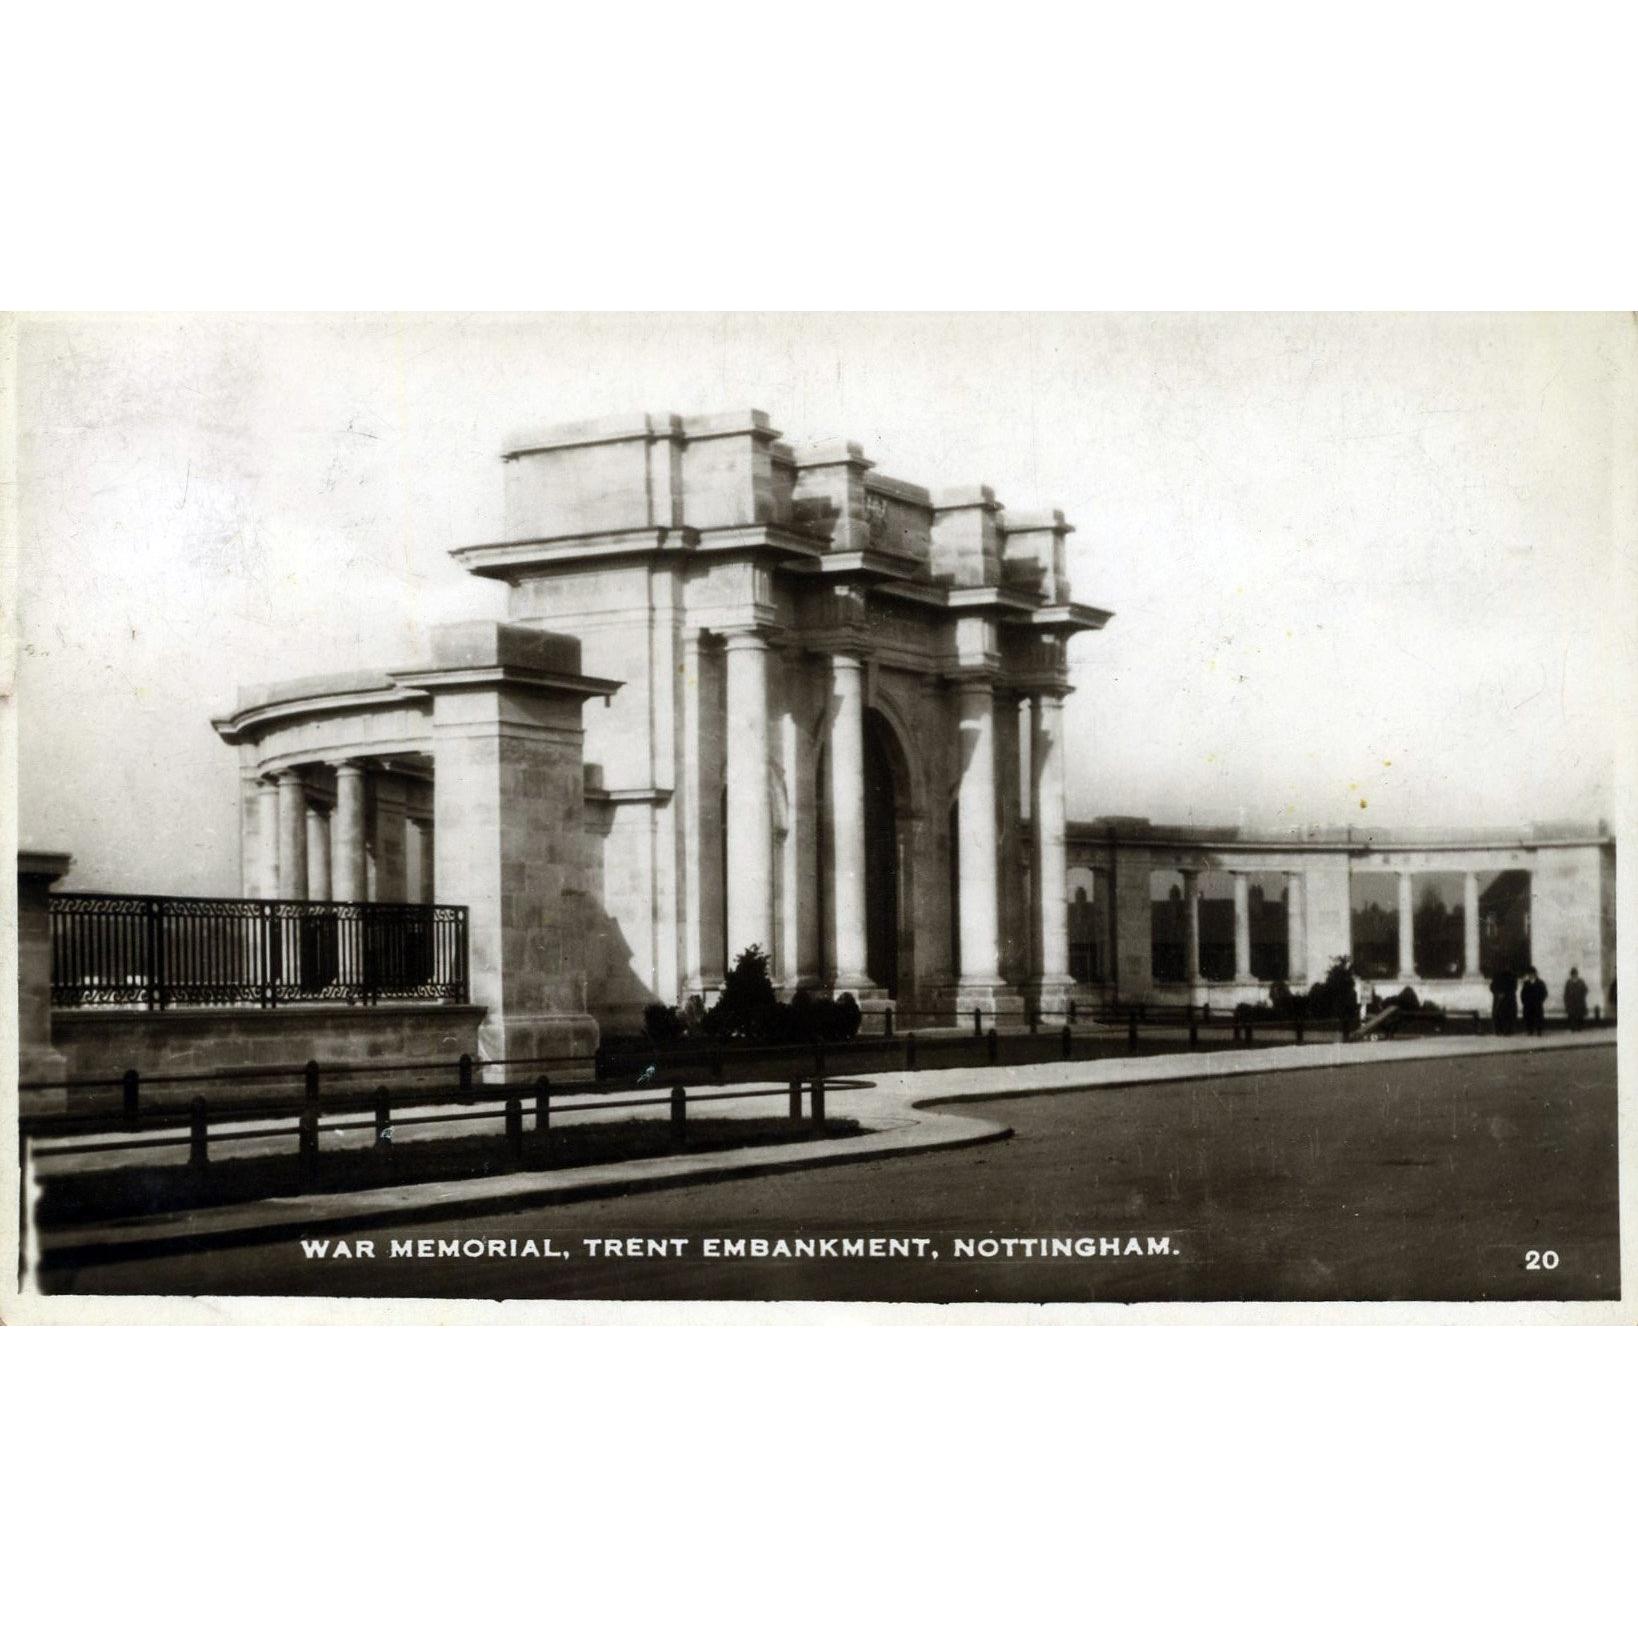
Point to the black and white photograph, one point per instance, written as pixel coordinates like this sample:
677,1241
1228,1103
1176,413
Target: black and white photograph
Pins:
911,809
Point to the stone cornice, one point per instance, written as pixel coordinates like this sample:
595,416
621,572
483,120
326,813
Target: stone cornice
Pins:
466,678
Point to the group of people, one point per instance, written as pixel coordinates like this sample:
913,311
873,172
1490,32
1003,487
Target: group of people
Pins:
1508,998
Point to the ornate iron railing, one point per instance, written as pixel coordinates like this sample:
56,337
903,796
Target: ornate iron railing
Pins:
122,950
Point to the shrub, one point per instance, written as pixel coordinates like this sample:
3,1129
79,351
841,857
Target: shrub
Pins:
1337,996
745,1011
662,1024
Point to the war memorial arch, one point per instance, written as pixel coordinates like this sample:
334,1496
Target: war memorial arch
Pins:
753,693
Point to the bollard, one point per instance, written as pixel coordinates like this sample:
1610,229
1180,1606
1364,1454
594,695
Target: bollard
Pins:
910,1050
978,1021
383,1114
543,1105
1194,1031
716,1064
1299,1029
1033,1014
308,1142
310,1082
796,1098
466,1072
1131,1027
887,1023
198,1155
130,1097
819,1060
514,1128
679,1117
818,1102
1248,1032
1069,1042
992,1044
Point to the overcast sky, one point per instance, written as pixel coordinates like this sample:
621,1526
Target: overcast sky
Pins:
1361,569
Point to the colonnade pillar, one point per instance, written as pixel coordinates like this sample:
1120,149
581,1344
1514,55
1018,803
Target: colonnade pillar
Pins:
977,858
1191,925
318,854
1470,924
1407,939
292,802
1242,927
845,765
267,840
1296,929
749,886
1049,870
347,838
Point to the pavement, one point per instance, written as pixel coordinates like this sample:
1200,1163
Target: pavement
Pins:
902,1114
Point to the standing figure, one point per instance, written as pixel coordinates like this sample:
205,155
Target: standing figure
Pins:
1533,999
1575,999
1504,1001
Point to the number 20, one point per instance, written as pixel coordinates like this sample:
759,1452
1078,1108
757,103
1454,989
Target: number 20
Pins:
1541,1259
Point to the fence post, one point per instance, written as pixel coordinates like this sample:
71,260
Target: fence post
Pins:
514,1128
1072,1009
310,1083
269,983
383,1114
1194,1030
465,1070
1069,1042
992,1045
151,920
818,1102
543,1104
679,1117
1299,1029
819,1059
796,1097
716,1065
130,1097
198,1139
978,1021
308,1143
1131,1026
1248,1032
887,1023
910,1050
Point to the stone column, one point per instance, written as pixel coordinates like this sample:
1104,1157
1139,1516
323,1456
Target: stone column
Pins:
385,860
347,840
38,1059
509,826
1242,927
1191,926
1407,939
318,854
980,905
1470,924
1049,872
422,887
267,827
845,796
750,822
292,836
1296,929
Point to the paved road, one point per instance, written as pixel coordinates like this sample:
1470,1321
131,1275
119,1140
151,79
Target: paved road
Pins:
1418,1180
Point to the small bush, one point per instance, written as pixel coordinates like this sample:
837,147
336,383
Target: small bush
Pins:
662,1024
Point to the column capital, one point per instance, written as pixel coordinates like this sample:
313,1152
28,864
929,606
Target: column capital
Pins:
739,638
289,777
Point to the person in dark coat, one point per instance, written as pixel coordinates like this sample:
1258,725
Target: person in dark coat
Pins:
1575,999
1533,1001
1504,1001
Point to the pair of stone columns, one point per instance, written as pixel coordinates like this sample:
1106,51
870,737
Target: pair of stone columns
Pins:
318,855
1295,927
979,848
1407,925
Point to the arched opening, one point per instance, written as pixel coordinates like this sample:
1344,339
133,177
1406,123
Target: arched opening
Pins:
882,850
